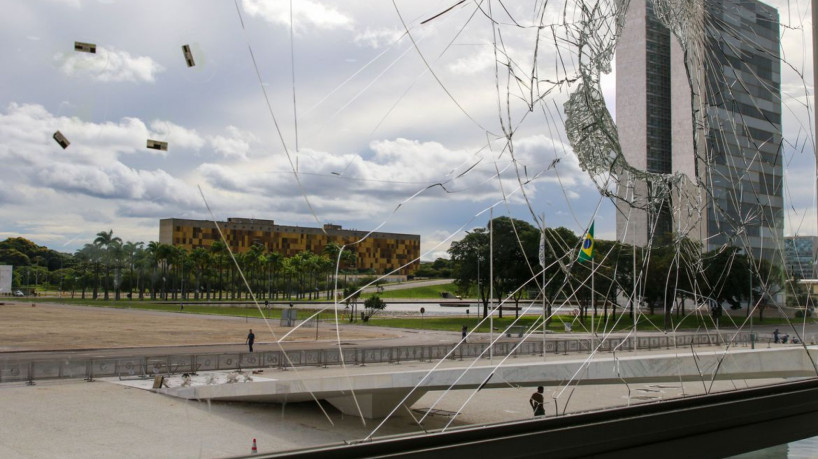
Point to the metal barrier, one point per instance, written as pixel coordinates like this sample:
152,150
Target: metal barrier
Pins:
148,366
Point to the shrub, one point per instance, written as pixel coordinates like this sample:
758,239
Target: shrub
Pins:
372,304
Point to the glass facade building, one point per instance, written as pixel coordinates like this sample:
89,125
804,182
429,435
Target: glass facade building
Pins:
800,253
723,132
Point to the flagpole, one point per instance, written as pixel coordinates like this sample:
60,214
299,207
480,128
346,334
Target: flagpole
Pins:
633,299
593,305
491,285
586,253
544,315
542,265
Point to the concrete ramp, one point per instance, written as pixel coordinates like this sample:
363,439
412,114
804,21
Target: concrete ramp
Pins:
378,390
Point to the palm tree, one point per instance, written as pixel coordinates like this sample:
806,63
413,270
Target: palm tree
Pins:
88,267
106,241
348,257
132,251
145,268
311,268
289,268
300,265
116,257
235,267
327,269
251,260
217,251
201,260
159,256
331,250
178,259
163,259
152,260
273,261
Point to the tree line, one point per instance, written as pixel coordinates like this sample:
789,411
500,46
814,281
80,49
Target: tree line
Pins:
670,275
108,268
673,274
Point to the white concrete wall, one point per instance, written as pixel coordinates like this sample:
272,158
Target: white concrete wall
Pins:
381,389
5,278
631,118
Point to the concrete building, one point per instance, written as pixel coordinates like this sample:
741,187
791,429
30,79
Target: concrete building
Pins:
735,172
5,278
380,252
800,255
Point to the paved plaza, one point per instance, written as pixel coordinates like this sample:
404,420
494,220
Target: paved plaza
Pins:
108,419
113,418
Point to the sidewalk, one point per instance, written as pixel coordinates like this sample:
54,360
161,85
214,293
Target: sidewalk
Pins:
88,420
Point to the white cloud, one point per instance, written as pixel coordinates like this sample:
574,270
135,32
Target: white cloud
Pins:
235,145
90,165
351,174
117,181
305,13
391,173
365,184
437,243
377,38
541,154
220,177
72,3
26,131
109,65
176,136
477,62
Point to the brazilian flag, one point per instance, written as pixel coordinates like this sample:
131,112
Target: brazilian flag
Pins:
587,250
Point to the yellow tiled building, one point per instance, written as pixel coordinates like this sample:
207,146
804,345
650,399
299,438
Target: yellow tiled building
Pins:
381,252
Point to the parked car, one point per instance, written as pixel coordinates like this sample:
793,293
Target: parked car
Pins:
18,293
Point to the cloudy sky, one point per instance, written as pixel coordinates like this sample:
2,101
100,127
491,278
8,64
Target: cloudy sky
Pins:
342,118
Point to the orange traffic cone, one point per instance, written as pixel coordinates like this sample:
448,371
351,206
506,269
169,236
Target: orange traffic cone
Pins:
254,450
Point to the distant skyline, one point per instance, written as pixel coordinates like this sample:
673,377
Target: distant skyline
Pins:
375,129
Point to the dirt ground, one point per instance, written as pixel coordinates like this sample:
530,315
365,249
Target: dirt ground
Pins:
46,326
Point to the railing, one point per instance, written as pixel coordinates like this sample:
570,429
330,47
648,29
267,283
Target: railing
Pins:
147,366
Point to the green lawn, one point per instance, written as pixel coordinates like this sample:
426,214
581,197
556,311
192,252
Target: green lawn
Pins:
425,292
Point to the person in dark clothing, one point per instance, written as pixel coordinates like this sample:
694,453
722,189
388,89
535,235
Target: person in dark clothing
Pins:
775,336
464,332
537,402
250,339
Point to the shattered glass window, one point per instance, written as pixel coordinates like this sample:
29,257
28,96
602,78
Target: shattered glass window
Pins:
607,178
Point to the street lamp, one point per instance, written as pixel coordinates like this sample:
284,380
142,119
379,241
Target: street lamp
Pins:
478,275
746,254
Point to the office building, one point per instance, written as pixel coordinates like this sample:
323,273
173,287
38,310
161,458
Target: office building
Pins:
380,252
732,160
800,255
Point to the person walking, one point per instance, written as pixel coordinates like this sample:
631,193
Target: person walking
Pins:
537,402
463,332
251,338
